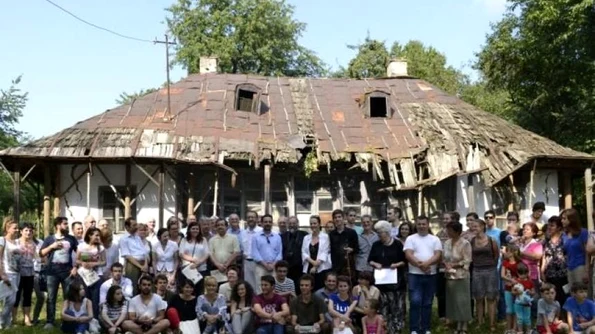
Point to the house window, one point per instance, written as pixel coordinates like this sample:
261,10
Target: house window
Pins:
377,105
247,98
112,209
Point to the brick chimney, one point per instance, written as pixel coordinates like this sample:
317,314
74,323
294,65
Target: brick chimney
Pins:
208,65
397,68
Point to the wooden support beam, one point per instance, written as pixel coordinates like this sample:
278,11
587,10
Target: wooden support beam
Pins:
203,198
567,189
89,190
111,185
216,194
471,193
24,178
140,191
6,171
589,197
47,194
531,185
127,193
267,189
16,190
191,182
147,174
57,195
420,201
513,194
161,190
76,180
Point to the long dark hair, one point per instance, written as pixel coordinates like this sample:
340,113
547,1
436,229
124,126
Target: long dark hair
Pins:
249,292
74,292
199,236
32,228
111,296
89,233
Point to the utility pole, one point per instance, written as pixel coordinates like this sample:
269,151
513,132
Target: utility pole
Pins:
167,44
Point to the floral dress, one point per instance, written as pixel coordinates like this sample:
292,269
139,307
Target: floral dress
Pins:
555,271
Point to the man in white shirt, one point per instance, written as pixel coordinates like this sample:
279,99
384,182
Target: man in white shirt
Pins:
252,229
146,311
134,252
423,252
117,270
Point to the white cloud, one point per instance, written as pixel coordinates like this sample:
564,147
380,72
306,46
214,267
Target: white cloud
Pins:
493,7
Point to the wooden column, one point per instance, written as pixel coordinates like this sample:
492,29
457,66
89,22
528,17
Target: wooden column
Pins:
589,197
47,194
128,193
420,201
531,186
567,189
191,181
16,190
471,193
267,188
216,193
89,191
161,190
57,208
513,194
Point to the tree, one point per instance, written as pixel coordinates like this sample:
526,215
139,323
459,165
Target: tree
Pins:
248,36
371,60
126,98
542,54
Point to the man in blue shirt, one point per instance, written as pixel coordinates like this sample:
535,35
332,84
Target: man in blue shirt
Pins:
267,249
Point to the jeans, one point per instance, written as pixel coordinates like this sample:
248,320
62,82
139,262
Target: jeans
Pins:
270,329
241,322
441,294
8,302
39,298
93,293
422,289
54,280
73,327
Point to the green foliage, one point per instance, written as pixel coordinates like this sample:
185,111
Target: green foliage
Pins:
248,36
126,98
310,164
542,54
371,60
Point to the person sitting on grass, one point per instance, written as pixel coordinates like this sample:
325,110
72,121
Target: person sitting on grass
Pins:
548,312
146,311
270,308
581,311
341,306
77,311
372,322
211,308
114,310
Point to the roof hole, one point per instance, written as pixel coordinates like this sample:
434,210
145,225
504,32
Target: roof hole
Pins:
245,100
378,106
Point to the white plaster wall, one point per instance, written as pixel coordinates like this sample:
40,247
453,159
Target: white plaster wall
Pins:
483,196
147,205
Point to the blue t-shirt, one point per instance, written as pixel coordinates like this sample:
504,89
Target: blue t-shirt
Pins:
580,312
575,249
340,305
494,233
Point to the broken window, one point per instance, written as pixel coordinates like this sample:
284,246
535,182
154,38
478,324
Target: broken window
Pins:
377,105
247,98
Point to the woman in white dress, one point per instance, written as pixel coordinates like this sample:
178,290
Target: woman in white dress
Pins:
166,258
9,268
316,257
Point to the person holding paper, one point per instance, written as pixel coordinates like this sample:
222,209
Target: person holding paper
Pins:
194,253
387,254
90,256
423,251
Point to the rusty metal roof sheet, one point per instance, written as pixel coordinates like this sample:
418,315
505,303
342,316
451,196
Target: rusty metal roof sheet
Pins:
204,126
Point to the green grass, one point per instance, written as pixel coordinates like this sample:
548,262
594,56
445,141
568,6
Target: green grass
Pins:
18,328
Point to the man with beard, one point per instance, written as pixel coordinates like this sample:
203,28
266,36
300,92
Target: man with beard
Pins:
344,247
307,310
252,230
292,250
267,249
60,249
117,271
330,287
146,311
133,251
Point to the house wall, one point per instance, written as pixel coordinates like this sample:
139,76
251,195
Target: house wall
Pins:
545,189
74,204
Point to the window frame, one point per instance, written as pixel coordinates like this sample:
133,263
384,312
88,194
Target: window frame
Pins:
367,108
255,90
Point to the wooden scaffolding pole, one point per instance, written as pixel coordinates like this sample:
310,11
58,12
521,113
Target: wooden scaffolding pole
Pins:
161,190
267,189
16,188
47,194
57,208
191,181
128,193
567,189
589,197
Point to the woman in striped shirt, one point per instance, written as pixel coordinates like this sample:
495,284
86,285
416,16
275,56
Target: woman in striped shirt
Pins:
114,310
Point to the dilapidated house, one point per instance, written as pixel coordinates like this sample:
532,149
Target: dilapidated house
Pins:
294,146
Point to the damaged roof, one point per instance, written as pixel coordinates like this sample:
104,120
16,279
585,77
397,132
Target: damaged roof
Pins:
427,137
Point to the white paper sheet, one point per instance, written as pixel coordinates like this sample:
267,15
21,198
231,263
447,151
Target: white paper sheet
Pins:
219,276
191,274
385,276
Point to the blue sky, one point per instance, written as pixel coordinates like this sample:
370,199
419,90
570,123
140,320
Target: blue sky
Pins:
73,71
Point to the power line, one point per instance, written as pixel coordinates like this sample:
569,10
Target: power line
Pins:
98,27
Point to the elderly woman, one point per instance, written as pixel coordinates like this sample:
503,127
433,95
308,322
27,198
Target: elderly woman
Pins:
485,286
316,258
388,253
456,260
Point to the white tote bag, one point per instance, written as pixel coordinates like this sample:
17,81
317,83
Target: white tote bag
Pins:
189,327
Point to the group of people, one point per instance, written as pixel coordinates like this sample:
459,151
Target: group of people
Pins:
225,278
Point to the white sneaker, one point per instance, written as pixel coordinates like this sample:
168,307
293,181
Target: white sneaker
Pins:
48,327
414,332
428,332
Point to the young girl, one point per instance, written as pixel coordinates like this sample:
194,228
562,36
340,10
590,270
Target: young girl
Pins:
372,322
509,274
114,310
241,310
341,305
364,291
77,311
521,310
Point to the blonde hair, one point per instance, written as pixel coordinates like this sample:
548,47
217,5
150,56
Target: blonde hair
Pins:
6,222
210,279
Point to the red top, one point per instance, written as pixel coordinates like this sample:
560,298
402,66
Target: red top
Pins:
527,283
511,271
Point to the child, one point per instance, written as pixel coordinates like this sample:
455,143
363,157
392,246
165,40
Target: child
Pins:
522,305
548,311
509,274
581,311
341,306
77,311
372,322
114,310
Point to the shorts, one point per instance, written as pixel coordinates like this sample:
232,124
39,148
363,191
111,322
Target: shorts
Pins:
523,315
509,300
543,330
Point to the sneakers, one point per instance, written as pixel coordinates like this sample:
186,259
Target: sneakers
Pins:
48,327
